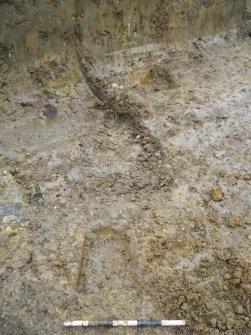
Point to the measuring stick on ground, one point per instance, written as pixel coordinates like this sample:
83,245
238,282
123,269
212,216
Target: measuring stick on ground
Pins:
127,323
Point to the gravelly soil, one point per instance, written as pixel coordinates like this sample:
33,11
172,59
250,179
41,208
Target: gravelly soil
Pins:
135,206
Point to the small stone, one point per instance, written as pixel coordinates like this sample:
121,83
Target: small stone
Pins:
211,259
247,176
222,174
50,111
217,193
237,274
219,324
230,322
235,281
213,322
234,221
224,255
239,309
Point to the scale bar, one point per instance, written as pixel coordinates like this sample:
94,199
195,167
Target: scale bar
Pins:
126,323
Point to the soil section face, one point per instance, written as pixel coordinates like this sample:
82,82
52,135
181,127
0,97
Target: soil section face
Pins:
127,196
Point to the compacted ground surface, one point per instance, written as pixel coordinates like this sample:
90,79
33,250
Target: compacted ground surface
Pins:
137,207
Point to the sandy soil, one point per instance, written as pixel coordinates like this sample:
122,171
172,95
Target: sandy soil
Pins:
136,206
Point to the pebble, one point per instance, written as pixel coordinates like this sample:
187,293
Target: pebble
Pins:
222,174
234,221
239,309
213,322
50,111
217,193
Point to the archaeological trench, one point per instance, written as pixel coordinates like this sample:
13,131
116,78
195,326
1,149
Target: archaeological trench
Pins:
125,165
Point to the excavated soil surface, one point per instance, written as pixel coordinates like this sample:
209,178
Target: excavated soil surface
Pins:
134,203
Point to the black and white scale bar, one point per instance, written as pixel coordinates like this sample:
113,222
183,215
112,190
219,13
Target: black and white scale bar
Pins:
127,323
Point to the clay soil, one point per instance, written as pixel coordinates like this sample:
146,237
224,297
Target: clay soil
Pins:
133,202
